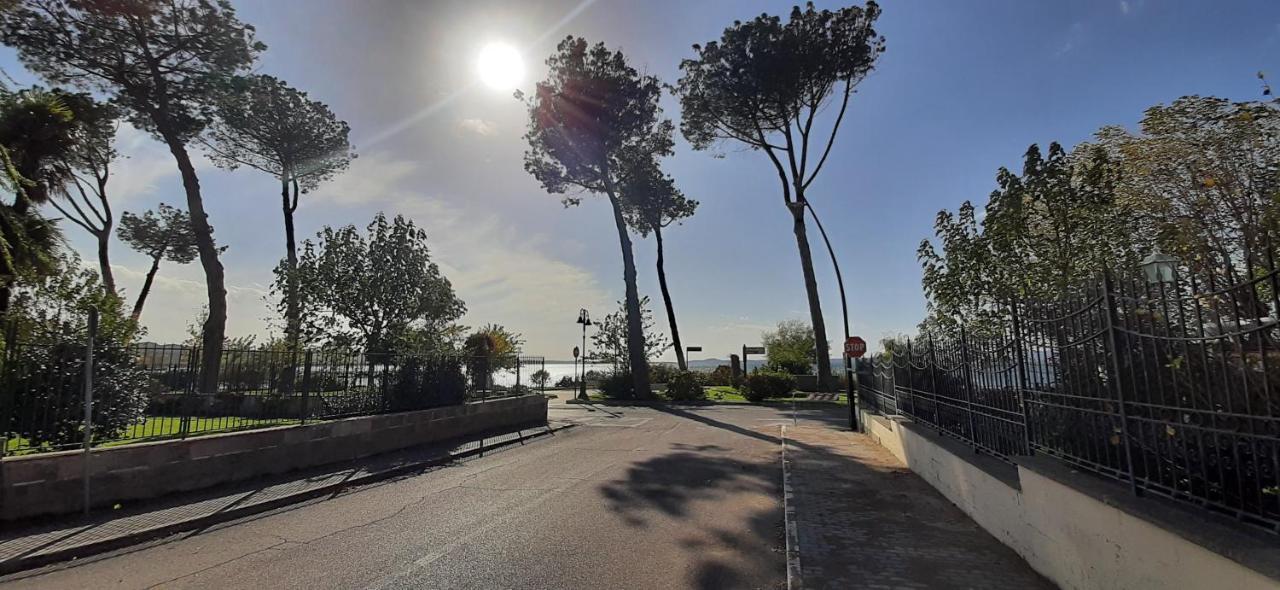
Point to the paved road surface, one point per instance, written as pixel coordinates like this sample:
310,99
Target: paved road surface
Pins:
632,497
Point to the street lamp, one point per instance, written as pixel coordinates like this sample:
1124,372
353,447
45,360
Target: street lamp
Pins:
584,318
1159,267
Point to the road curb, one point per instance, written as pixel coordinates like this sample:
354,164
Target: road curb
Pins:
89,549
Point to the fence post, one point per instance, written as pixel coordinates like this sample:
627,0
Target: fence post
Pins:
911,380
88,402
1023,384
384,383
1113,346
517,374
306,386
933,380
188,402
6,392
968,383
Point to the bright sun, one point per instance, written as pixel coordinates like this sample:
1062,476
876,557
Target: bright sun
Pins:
500,66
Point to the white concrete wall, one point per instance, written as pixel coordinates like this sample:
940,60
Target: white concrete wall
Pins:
1072,538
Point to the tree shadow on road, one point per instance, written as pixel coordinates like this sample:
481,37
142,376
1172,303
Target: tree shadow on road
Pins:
861,516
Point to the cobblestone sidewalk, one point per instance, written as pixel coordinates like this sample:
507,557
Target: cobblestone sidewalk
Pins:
866,521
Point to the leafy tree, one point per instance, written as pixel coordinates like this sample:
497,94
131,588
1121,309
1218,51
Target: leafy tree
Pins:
763,85
592,119
162,62
36,131
789,348
267,125
611,341
86,167
653,202
371,289
1201,179
489,349
44,380
1046,231
540,378
165,234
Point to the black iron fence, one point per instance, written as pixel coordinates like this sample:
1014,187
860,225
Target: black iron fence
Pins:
151,392
1170,386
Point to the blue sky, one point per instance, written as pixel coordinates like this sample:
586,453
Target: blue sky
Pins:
963,88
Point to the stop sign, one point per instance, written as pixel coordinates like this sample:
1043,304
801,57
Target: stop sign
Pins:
855,347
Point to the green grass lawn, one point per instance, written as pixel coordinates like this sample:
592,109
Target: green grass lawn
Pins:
165,427
724,393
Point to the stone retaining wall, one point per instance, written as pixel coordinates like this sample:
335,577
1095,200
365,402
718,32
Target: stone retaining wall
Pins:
52,483
1083,531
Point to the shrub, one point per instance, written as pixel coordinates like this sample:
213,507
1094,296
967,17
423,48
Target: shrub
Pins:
540,378
684,386
761,385
426,382
46,392
566,382
617,386
662,372
722,375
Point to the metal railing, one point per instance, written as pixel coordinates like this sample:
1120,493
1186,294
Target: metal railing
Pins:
1171,387
151,392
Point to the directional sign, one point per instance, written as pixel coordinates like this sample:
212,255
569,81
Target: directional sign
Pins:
855,347
693,348
753,350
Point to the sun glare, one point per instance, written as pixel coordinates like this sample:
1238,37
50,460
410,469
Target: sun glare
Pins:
501,67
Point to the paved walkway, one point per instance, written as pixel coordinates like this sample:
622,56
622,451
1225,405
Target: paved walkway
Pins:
866,521
663,497
68,537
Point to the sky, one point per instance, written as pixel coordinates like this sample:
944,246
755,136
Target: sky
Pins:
962,89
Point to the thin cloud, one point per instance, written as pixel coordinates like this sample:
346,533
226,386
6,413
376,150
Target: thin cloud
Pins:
506,277
174,303
377,177
480,127
144,162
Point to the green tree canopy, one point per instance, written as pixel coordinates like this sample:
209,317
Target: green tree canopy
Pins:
372,288
789,348
763,84
163,62
162,234
610,340
270,126
593,118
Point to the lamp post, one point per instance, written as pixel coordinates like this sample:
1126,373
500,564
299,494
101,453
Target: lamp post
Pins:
584,318
1159,267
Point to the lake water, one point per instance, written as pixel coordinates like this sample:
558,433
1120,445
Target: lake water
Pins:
557,370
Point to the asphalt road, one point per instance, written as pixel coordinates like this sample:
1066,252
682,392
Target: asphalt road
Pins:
632,497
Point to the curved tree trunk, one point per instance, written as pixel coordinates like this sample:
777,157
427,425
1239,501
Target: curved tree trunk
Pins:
215,283
635,329
146,287
104,262
292,313
811,289
666,299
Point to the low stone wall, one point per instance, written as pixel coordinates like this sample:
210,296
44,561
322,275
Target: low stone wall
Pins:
52,483
1083,531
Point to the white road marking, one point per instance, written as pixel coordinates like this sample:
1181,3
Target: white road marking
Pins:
795,581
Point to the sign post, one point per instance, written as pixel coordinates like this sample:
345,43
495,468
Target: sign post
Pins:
854,347
689,349
746,350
